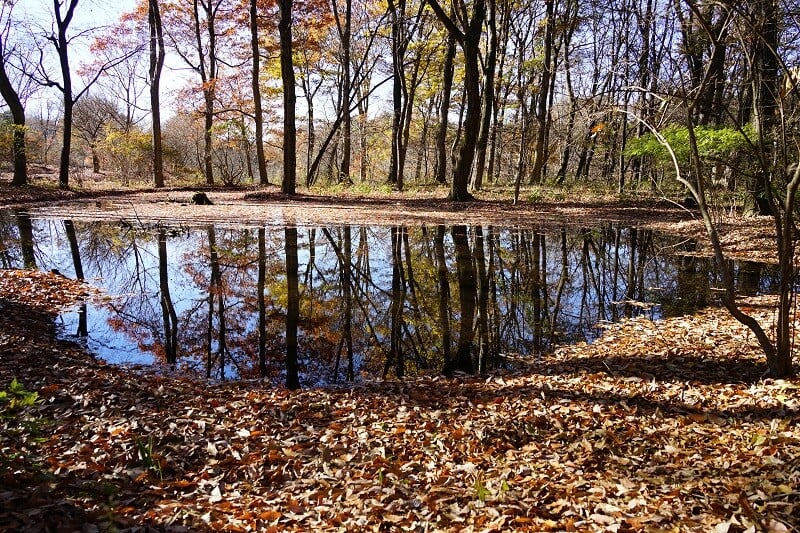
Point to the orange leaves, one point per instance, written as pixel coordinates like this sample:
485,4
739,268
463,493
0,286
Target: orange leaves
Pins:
598,438
45,291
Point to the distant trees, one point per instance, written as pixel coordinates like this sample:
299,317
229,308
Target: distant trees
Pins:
513,94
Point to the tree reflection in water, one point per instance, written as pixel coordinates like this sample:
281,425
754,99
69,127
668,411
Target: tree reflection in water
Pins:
286,305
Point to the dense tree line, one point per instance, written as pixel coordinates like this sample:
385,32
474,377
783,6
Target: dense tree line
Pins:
468,93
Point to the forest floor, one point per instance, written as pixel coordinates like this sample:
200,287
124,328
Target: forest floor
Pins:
661,425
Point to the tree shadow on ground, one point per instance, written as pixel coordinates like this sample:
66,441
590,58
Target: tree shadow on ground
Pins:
697,369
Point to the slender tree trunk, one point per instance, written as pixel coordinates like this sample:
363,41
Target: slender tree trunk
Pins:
257,111
444,111
157,53
289,184
61,43
208,75
347,123
397,91
542,99
14,103
488,99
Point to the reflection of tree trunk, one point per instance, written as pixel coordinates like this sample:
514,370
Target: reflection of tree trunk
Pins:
170,317
396,357
467,287
563,278
749,276
69,228
536,296
292,309
495,316
262,306
347,288
630,293
485,355
417,343
212,289
26,239
444,291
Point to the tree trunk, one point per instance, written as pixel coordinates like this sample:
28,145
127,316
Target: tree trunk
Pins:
488,100
157,53
14,103
208,73
289,183
61,43
444,111
397,93
257,110
542,99
466,152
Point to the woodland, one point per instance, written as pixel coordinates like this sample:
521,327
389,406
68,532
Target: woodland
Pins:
679,116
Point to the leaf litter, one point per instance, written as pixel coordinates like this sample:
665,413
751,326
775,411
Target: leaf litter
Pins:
656,426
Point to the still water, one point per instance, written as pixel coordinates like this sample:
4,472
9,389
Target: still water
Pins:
314,304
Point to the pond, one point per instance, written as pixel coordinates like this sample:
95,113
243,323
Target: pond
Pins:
316,304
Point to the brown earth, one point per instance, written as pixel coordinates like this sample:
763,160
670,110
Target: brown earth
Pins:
657,426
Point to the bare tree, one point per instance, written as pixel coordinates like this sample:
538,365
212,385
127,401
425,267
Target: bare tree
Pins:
60,37
157,54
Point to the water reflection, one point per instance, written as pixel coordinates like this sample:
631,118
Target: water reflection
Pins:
309,305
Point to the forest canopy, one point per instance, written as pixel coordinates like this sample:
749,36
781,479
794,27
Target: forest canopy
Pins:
473,93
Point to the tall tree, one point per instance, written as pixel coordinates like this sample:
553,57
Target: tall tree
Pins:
466,28
444,110
60,39
157,55
542,96
194,30
289,184
257,110
11,95
344,28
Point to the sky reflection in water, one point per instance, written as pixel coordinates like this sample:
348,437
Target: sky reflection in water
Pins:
191,294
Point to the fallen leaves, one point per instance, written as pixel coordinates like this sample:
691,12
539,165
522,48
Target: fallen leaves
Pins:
661,426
